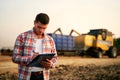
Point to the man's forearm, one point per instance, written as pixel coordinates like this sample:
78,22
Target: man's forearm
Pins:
23,60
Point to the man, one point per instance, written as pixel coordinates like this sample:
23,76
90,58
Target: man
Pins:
31,43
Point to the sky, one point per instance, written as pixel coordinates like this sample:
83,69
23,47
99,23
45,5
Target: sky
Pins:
17,16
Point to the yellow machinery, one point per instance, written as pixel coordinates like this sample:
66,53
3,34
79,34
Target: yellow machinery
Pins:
97,42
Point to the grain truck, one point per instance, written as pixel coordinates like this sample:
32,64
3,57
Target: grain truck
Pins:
65,44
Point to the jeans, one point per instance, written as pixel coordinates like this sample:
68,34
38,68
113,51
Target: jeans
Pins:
37,76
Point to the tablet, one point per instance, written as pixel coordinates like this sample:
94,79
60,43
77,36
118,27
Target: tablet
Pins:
36,61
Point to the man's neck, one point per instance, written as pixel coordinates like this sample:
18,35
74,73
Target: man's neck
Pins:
39,36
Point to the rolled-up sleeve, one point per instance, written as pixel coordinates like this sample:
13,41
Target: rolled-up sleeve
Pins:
17,56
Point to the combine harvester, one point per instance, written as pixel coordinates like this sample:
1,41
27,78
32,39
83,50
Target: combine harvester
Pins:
97,42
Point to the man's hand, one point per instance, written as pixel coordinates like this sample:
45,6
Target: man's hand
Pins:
34,55
47,63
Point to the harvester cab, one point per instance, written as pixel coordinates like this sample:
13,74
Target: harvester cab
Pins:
97,42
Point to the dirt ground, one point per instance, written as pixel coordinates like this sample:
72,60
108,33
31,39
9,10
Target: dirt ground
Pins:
71,68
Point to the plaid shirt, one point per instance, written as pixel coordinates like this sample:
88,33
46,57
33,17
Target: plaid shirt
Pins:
23,49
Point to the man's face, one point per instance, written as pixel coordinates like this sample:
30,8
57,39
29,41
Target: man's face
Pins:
40,28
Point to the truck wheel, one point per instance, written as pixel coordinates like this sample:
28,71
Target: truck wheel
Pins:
112,53
82,53
99,54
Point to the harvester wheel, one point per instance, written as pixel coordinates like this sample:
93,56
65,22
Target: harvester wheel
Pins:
112,53
99,54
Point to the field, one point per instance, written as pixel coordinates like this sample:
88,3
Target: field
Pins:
71,68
